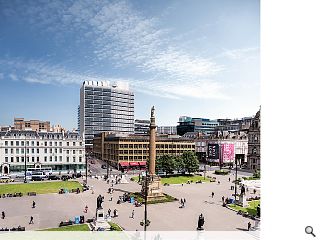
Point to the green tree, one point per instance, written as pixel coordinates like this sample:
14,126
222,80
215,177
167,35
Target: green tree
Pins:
167,163
159,164
190,161
180,166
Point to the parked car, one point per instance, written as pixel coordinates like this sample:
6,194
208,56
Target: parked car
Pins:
65,177
37,178
6,179
53,177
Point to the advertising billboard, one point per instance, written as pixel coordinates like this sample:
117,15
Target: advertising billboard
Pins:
213,152
227,152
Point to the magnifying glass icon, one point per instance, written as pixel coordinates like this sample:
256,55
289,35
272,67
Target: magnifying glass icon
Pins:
309,230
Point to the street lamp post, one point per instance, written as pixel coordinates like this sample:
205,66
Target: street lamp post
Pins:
235,182
86,155
145,201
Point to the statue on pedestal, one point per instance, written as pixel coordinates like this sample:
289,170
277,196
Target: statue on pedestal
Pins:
243,190
99,201
242,198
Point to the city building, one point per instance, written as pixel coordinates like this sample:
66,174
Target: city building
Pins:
57,128
132,151
170,130
6,128
33,125
105,107
188,124
78,130
141,126
59,151
233,125
254,144
223,150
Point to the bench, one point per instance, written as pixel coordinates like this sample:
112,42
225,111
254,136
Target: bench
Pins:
62,224
31,193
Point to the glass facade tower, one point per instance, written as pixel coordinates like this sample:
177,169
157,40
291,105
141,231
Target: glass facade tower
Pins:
105,107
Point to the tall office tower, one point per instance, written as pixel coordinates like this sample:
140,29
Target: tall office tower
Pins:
78,126
105,107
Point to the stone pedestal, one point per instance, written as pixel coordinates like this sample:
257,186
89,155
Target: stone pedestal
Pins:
243,201
154,188
123,179
100,221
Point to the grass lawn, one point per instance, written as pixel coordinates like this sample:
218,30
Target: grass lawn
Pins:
115,227
179,179
78,227
251,209
39,187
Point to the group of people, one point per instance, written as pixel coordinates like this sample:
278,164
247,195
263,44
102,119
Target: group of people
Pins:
115,213
182,202
114,181
110,190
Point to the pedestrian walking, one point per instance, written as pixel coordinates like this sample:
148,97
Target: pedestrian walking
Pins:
229,179
132,214
31,220
218,182
254,191
109,212
3,215
111,197
222,199
115,213
33,204
249,226
86,209
212,194
184,201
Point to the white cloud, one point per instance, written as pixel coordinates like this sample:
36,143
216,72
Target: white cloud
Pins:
241,53
121,34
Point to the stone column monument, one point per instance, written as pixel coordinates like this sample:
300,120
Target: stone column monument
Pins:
152,185
152,144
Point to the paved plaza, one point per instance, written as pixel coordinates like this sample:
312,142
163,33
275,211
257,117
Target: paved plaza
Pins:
51,209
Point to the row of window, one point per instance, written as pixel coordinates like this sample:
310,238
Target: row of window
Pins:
145,151
37,150
37,143
45,159
157,146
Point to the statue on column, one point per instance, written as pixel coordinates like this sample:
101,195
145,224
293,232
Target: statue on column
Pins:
152,111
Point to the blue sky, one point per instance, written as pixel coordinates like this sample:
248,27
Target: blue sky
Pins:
195,58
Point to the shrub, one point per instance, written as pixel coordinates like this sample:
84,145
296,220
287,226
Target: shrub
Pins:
221,172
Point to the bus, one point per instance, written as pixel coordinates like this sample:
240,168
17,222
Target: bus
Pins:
46,170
